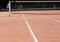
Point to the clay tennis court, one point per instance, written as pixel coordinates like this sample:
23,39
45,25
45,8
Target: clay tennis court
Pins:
30,26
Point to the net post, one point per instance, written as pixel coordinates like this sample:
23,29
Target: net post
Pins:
9,8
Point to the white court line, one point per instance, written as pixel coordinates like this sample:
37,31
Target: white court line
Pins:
29,27
51,19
